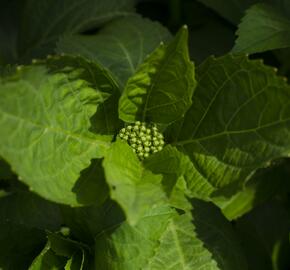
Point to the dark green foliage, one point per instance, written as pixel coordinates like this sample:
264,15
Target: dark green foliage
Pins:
139,135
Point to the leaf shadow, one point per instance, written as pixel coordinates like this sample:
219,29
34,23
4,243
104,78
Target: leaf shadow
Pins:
217,236
91,187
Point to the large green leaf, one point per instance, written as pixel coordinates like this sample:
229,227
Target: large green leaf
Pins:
131,185
126,247
44,22
44,122
105,120
239,120
121,46
163,240
161,89
263,28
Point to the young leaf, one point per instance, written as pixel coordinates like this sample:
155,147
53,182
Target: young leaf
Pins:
43,22
120,46
47,259
133,187
263,28
162,87
173,165
226,145
44,122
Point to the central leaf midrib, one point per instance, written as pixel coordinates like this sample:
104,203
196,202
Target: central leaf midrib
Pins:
178,245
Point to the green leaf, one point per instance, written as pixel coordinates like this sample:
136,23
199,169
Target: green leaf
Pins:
126,247
18,245
105,120
163,240
60,253
44,122
31,211
76,262
161,89
265,236
263,28
121,46
131,185
43,22
63,246
225,145
217,237
47,259
179,176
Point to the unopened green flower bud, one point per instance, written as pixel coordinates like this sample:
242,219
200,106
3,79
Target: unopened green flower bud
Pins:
143,138
147,143
156,143
134,145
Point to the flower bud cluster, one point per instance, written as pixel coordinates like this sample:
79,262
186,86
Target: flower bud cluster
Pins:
145,139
